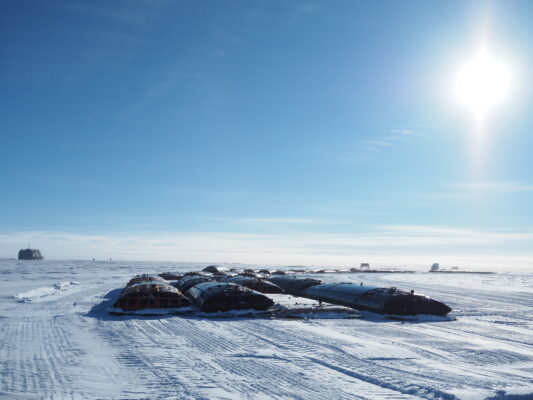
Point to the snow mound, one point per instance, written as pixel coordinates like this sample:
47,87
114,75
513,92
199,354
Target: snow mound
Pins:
47,292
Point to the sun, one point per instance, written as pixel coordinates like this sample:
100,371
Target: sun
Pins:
482,83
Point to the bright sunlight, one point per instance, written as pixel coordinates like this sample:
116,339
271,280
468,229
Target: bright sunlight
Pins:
482,83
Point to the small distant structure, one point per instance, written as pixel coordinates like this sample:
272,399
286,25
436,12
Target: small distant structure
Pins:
455,270
435,267
365,268
30,254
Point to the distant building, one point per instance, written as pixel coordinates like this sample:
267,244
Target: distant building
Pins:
365,265
30,254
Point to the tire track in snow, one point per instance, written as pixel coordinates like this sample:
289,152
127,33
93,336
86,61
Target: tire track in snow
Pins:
148,349
34,353
390,373
203,358
304,353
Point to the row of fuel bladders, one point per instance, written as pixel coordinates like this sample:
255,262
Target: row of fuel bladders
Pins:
217,292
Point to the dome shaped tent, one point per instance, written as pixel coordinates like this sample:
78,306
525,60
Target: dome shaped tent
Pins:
146,278
379,300
293,285
170,276
259,285
190,280
219,296
150,295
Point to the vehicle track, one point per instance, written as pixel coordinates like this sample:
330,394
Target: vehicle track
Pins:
68,347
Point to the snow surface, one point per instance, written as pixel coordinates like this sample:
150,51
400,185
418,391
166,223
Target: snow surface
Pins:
58,341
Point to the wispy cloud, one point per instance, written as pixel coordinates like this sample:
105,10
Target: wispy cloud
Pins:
367,148
449,235
290,221
136,13
377,142
392,245
308,7
394,138
154,92
275,221
90,35
494,187
390,138
213,194
404,132
462,191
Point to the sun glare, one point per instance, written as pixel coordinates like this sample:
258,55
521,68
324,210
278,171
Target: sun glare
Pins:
482,83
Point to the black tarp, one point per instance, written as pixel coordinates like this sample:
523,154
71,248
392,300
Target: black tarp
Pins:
190,280
170,276
251,282
150,295
293,285
220,296
146,278
376,299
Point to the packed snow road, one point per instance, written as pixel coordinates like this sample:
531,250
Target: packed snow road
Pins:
57,341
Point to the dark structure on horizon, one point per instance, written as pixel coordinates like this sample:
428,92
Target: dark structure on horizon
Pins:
30,254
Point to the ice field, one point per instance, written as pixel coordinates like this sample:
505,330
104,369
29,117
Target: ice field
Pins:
57,341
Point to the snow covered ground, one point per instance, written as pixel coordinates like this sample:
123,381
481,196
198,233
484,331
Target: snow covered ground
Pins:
57,341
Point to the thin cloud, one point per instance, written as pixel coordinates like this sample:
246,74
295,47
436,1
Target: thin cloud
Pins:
495,187
392,137
135,13
462,191
444,234
394,244
408,132
214,194
308,8
376,142
290,221
402,132
274,221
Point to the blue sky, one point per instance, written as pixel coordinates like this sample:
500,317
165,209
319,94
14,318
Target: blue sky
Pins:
312,132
